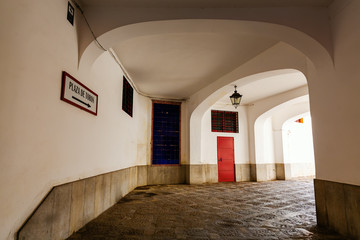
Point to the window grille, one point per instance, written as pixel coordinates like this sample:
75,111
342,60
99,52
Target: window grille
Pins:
223,121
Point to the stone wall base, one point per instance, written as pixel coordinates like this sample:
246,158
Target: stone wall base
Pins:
262,172
338,207
208,173
285,171
68,207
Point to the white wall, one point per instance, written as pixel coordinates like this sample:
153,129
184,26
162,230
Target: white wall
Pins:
209,138
264,141
45,141
298,140
335,101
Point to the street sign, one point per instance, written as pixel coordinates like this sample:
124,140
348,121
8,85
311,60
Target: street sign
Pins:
78,95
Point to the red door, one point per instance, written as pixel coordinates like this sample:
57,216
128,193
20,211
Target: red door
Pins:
225,150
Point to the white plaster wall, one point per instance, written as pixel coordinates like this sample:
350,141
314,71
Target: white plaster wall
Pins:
278,146
335,101
45,141
264,141
209,138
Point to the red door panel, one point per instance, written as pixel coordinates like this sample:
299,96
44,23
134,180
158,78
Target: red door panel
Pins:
225,149
225,142
226,153
227,166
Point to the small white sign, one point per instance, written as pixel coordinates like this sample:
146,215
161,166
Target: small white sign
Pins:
77,94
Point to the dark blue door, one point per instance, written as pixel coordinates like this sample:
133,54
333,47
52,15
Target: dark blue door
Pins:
166,133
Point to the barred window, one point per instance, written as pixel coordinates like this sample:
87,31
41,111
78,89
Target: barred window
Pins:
223,121
127,98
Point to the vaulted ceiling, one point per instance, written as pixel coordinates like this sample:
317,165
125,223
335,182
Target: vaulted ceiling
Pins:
178,64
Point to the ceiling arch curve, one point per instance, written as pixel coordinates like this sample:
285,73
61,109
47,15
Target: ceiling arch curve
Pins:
195,53
105,16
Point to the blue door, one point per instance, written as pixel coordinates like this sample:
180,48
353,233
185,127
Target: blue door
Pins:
166,133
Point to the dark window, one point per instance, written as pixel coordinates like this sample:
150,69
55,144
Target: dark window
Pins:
222,121
166,133
127,100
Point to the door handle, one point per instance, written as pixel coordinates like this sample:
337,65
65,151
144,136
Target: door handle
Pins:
220,160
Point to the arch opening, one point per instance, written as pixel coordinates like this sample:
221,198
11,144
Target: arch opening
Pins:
257,111
271,143
298,148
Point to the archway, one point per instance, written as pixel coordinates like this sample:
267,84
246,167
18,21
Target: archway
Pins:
253,111
269,162
298,148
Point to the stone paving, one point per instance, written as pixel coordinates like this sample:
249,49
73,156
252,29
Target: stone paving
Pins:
250,210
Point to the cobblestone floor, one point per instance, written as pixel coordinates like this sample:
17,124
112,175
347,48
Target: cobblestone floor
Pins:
267,210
